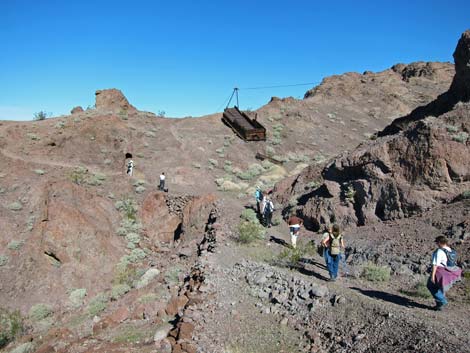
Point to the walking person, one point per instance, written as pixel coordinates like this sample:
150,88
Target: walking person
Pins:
294,223
332,243
444,272
259,199
130,167
161,186
268,212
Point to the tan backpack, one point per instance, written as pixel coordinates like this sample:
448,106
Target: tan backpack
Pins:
335,244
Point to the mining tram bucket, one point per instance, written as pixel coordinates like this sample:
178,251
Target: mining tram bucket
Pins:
248,129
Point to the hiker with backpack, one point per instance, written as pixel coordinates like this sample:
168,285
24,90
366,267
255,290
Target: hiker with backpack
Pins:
332,243
294,223
268,210
259,200
444,272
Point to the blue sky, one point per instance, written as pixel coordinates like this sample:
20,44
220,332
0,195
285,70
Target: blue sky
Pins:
184,57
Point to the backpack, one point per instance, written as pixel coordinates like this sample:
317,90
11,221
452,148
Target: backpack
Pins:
269,207
335,244
451,257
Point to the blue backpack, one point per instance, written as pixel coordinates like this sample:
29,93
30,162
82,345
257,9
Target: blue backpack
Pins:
451,258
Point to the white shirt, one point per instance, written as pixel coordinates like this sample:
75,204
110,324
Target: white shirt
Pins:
439,257
162,177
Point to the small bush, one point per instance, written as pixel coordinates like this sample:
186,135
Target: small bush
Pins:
11,326
465,195
41,115
33,137
147,277
27,347
451,128
136,255
350,193
128,207
419,290
375,273
196,165
78,175
96,179
161,113
213,162
15,244
172,275
461,137
39,171
140,189
249,215
39,312
250,232
148,298
15,206
119,290
97,304
3,260
276,221
76,297
150,134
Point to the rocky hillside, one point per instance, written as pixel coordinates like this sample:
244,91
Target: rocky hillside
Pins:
99,261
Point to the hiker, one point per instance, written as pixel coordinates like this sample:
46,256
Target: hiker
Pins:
259,199
444,272
130,167
332,243
268,210
162,182
294,223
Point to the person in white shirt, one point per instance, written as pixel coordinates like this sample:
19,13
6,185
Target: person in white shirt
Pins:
130,167
162,182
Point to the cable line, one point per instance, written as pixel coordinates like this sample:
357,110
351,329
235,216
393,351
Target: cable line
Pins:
280,86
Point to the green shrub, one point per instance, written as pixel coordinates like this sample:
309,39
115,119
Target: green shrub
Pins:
276,221
213,162
97,304
375,273
128,207
125,274
41,115
27,347
249,215
11,326
136,255
140,189
147,277
419,290
39,312
148,298
78,175
350,193
15,244
250,232
39,171
119,290
15,206
3,260
76,297
465,195
96,179
451,128
292,256
460,137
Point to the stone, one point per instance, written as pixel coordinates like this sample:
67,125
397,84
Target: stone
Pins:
120,315
162,332
76,110
319,291
185,331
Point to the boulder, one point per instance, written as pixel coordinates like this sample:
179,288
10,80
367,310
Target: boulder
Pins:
76,110
112,100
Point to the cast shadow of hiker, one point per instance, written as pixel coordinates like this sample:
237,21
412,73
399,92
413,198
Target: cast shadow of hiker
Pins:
279,241
311,273
391,298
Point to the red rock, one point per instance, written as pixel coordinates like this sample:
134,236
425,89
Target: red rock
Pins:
186,331
120,315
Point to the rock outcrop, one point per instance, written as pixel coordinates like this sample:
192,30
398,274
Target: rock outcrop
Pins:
112,100
459,91
397,175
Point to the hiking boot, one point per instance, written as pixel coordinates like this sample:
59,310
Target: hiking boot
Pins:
440,307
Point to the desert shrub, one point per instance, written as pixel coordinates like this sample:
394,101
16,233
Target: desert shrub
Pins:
148,298
15,244
15,206
465,195
267,165
172,275
60,125
128,226
125,274
140,189
451,128
78,175
11,326
39,312
228,168
375,273
270,151
41,115
419,290
213,162
27,347
147,277
97,304
292,256
136,256
350,193
3,260
249,215
96,179
128,207
76,297
150,134
250,232
161,113
460,137
119,290
39,171
253,171
196,165
33,136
